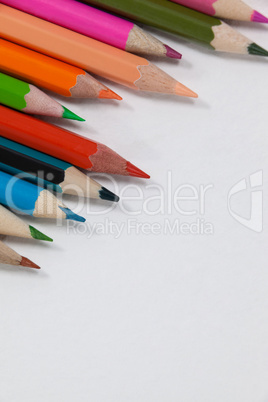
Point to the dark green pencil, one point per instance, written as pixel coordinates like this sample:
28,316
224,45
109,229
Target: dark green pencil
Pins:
185,22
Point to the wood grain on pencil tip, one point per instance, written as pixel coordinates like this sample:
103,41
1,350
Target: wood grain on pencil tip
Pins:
97,57
64,144
10,257
96,24
229,9
183,21
49,73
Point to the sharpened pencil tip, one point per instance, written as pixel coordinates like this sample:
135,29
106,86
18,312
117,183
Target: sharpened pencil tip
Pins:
38,235
108,94
256,50
258,17
136,172
171,53
68,114
182,90
25,262
71,215
107,195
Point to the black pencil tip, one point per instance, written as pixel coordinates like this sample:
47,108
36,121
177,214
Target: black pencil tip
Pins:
108,195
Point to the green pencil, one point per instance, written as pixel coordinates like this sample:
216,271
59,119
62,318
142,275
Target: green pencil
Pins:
29,99
185,22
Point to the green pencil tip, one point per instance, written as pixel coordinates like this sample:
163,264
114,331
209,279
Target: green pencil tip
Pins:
38,235
257,50
67,114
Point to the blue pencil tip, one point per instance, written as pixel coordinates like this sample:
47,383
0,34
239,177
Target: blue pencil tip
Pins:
71,215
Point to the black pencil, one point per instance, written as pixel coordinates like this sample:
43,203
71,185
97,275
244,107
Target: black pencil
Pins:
49,172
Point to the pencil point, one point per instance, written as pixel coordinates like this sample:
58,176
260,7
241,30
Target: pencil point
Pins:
182,90
38,235
108,94
258,17
256,50
25,262
173,54
71,215
107,195
67,114
136,172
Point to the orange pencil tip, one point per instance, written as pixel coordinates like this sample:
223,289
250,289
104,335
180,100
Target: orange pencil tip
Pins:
25,262
136,172
182,90
108,94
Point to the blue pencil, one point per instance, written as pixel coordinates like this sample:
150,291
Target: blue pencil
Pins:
32,200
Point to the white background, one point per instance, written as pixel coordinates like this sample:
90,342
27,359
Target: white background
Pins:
147,317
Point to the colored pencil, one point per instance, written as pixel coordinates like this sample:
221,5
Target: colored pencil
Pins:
12,225
81,51
10,257
48,73
50,172
63,144
29,99
230,9
32,200
96,24
185,22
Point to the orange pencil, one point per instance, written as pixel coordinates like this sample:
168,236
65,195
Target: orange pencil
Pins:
87,53
64,144
49,73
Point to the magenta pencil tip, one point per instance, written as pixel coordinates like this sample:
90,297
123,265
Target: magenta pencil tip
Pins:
258,17
172,53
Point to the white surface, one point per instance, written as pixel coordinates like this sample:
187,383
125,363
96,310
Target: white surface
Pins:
154,318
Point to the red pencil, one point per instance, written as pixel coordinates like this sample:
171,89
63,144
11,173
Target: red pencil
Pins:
64,144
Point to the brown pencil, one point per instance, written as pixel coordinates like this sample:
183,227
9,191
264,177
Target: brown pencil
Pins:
10,257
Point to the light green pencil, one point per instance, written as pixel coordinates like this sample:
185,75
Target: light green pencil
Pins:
29,99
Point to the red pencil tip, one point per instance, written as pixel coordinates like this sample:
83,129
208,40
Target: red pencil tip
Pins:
25,262
136,172
108,94
172,53
258,17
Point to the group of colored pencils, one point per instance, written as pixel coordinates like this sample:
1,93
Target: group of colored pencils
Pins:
56,45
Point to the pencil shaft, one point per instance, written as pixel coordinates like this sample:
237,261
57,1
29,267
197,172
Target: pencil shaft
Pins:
30,169
230,9
87,53
94,23
62,144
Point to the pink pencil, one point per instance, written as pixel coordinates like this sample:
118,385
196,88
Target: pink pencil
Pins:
96,24
230,9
